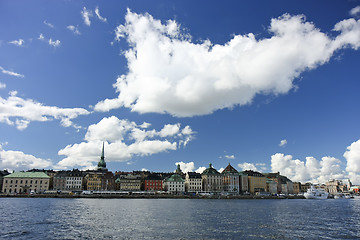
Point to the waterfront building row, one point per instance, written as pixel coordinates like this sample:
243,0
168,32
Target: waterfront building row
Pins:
209,181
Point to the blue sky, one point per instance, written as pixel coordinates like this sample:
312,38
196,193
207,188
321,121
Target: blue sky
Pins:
269,86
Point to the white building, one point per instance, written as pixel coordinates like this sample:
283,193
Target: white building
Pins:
174,184
193,182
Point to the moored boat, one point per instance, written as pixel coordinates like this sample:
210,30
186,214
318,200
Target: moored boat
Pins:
314,193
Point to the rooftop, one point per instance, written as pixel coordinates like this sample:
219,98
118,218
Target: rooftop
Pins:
210,171
27,175
174,178
230,169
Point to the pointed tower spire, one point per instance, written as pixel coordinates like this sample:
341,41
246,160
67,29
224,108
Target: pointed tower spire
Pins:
102,153
102,163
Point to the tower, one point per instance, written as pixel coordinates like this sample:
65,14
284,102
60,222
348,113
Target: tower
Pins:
102,164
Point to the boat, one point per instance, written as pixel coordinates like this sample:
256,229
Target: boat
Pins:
314,193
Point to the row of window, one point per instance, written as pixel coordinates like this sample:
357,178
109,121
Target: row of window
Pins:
21,181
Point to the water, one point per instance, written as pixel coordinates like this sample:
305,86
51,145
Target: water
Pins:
37,218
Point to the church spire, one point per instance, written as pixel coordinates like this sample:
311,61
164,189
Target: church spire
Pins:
102,163
102,153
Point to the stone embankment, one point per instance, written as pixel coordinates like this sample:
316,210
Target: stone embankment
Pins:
156,196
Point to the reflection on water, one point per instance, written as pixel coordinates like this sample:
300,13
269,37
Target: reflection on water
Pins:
179,219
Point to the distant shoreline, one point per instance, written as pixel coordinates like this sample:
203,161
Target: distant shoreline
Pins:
160,196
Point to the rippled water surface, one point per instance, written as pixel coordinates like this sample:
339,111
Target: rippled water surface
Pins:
46,218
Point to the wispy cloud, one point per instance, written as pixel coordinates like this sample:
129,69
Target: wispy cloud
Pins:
97,12
355,11
229,156
283,143
20,112
2,85
49,24
55,43
74,29
86,14
18,43
41,37
11,73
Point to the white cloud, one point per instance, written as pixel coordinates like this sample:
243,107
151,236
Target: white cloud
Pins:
55,43
97,12
26,110
170,74
2,85
170,130
186,167
230,156
41,36
74,29
247,166
200,169
16,160
11,73
49,24
86,14
352,156
283,143
18,43
123,140
355,11
144,170
310,170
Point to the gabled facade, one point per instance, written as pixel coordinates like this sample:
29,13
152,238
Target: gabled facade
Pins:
231,179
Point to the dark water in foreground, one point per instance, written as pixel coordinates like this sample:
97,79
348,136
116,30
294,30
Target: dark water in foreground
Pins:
178,219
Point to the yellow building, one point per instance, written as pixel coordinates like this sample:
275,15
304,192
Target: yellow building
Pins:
93,181
256,181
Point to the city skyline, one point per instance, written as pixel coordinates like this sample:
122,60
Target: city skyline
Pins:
270,87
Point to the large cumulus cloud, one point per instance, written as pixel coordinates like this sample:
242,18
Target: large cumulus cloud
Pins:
168,73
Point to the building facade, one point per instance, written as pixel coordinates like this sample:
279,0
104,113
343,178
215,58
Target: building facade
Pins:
153,182
59,181
26,182
193,182
74,180
128,183
256,180
243,182
212,180
231,180
2,175
174,184
271,186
